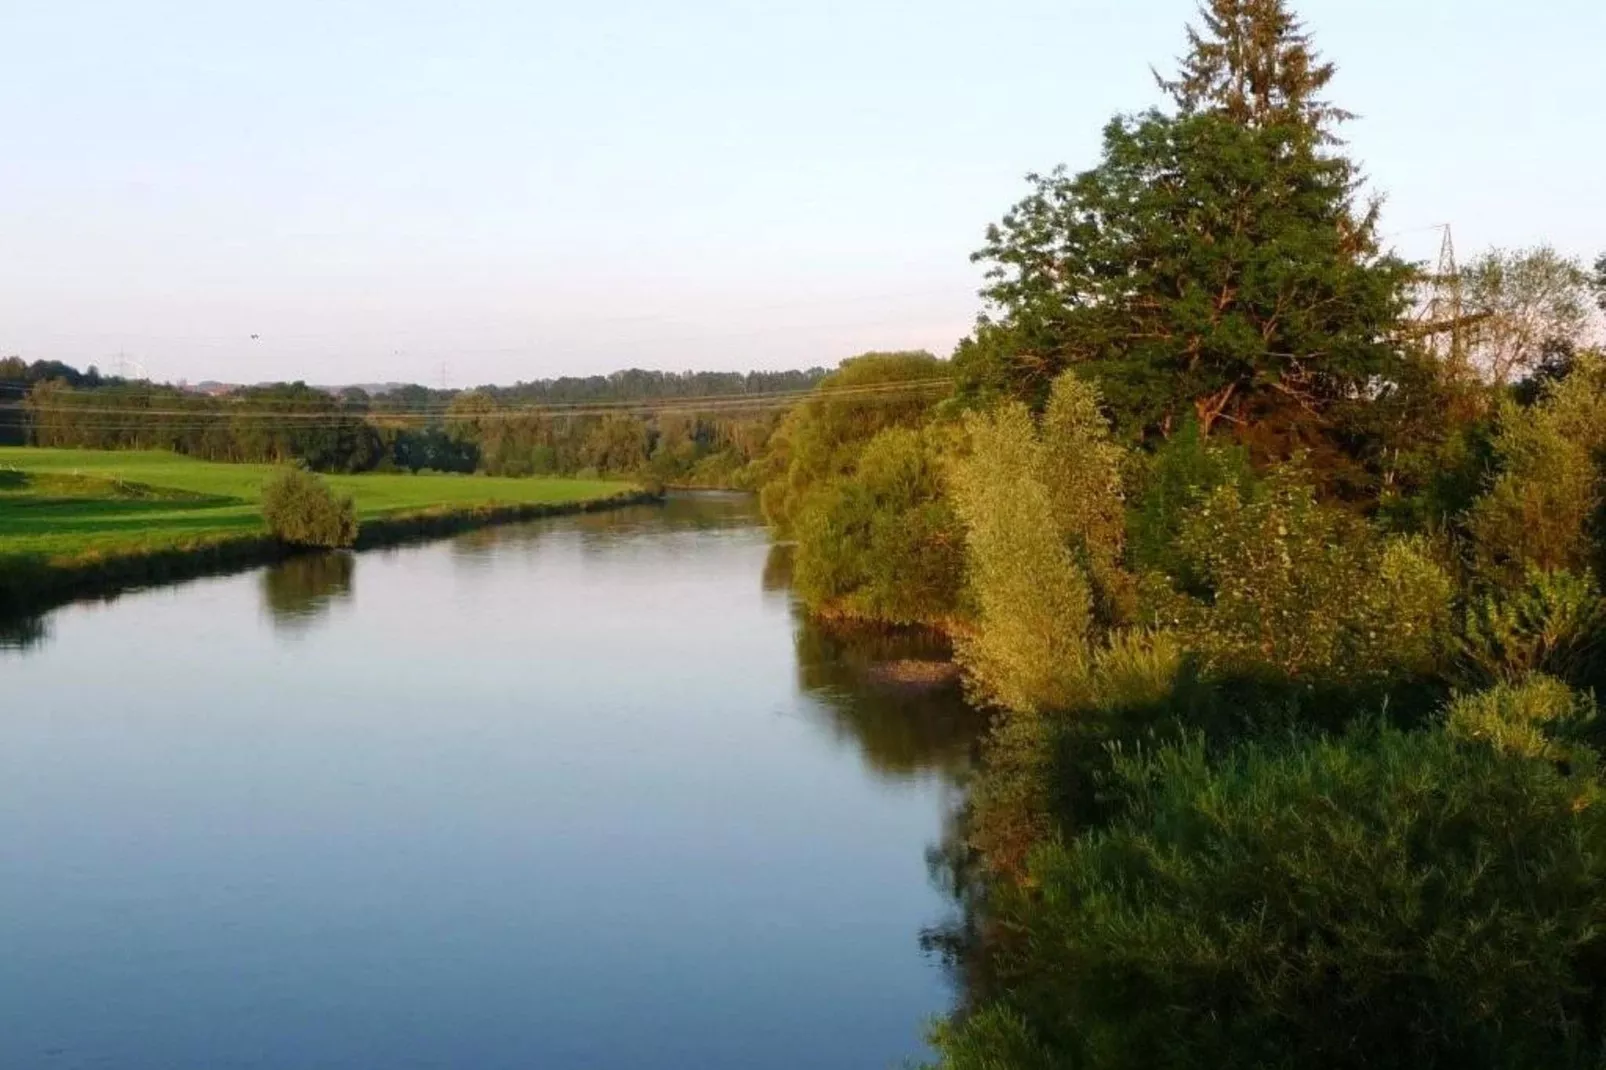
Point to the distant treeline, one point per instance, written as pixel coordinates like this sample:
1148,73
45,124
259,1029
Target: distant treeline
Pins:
17,377
691,427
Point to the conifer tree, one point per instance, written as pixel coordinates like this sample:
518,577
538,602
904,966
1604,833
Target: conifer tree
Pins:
1252,62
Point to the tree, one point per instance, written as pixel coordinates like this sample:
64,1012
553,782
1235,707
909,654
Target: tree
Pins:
1253,63
1081,469
1541,508
823,436
1215,263
1203,268
1537,304
882,541
1029,648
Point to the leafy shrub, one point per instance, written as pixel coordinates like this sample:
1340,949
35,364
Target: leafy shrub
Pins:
823,436
1383,900
1029,647
1554,623
1041,767
1081,468
1174,481
300,509
1539,718
1290,586
1540,508
882,540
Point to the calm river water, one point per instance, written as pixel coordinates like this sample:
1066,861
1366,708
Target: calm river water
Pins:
583,793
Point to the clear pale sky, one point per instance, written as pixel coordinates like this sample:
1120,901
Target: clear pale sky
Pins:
519,189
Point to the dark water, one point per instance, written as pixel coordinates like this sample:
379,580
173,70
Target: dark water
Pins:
583,793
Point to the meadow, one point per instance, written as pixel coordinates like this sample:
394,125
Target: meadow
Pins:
66,503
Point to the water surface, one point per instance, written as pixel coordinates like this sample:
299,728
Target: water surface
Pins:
580,793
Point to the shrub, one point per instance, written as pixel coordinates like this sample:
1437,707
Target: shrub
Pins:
1554,623
300,509
1539,718
1287,585
823,436
1028,651
1171,484
1080,467
1539,510
1383,900
882,541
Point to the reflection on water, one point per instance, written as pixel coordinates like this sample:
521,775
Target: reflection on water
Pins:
301,589
587,792
903,728
23,633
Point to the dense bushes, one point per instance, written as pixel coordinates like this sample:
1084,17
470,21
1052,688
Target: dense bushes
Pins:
822,437
1295,754
882,542
1284,584
1381,899
300,509
1542,507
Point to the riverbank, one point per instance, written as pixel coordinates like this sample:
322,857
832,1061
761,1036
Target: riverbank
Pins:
81,523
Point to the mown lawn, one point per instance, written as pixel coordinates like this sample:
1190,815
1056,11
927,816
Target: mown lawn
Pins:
67,503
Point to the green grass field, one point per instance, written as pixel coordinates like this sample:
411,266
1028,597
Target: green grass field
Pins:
64,504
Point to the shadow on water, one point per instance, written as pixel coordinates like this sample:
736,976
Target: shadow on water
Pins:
301,590
906,725
892,691
23,633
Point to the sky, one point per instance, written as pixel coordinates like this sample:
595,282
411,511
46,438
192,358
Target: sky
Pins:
496,190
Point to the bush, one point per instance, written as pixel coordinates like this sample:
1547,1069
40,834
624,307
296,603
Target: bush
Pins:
1029,648
1176,479
882,541
1288,586
1554,623
824,435
300,509
1382,900
1539,718
1540,509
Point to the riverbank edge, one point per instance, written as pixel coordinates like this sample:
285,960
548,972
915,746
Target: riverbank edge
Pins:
30,585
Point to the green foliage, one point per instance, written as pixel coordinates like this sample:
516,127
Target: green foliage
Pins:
1204,267
1252,62
494,430
300,509
823,436
1172,482
993,1038
1081,469
1553,623
1540,718
1028,650
1536,303
1289,586
882,541
1381,900
1540,510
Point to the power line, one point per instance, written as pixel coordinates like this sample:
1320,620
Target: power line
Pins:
102,418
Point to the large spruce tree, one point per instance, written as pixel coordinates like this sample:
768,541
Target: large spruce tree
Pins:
1252,62
1216,263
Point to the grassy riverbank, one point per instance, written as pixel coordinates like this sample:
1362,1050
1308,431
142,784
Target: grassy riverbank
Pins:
76,522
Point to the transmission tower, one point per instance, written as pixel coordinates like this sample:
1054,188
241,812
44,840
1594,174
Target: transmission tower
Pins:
1442,321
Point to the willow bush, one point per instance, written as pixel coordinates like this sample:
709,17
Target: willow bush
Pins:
300,509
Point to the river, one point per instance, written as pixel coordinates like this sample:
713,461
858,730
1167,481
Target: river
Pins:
584,793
